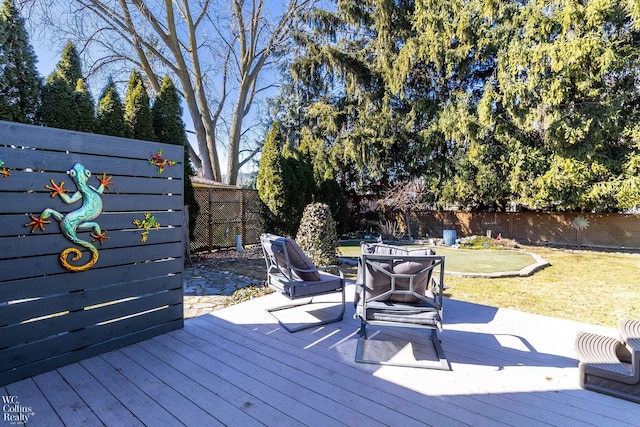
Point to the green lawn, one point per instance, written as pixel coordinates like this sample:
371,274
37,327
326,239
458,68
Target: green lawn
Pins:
470,260
585,286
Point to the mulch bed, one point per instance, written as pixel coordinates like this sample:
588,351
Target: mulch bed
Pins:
249,262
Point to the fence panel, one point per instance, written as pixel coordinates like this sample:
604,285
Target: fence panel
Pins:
605,230
88,262
225,212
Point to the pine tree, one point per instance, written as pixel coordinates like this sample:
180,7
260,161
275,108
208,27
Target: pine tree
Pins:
19,80
69,67
137,111
169,128
58,108
298,184
110,117
86,118
333,195
269,184
66,100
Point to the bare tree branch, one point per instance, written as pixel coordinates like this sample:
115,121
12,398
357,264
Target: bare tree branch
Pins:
215,50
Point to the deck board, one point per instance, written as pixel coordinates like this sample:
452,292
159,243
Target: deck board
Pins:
101,401
238,367
326,382
210,389
143,406
30,395
63,398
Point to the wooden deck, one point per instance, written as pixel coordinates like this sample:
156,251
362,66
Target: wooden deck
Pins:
236,367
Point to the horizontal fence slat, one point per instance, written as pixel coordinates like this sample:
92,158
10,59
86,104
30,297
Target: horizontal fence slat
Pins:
12,225
12,269
34,203
45,162
85,343
41,287
51,244
81,327
126,337
21,181
76,302
79,142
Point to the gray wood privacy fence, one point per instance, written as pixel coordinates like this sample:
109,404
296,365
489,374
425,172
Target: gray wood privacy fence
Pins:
50,315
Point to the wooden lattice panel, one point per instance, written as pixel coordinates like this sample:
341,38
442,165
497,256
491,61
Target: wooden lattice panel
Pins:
224,214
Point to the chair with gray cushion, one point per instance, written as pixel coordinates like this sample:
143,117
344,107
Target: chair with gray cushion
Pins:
399,287
292,273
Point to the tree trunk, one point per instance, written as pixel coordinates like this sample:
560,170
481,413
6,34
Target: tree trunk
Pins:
233,159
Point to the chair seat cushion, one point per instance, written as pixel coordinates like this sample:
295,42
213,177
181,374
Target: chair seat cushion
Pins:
300,288
418,314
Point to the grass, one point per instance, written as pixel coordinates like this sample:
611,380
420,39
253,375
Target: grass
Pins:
484,260
471,260
591,287
586,286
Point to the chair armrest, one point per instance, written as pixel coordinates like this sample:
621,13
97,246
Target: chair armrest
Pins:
323,268
437,288
332,267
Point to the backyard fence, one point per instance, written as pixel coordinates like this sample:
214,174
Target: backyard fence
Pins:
225,213
88,262
604,230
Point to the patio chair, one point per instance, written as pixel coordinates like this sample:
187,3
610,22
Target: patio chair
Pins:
292,273
399,287
611,365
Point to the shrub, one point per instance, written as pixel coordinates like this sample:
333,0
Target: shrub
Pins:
317,234
482,242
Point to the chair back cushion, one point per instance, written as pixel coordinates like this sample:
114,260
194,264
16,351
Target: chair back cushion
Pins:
277,245
377,275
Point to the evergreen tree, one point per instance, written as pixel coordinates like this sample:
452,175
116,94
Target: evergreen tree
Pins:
298,185
270,185
169,128
333,195
86,121
356,130
19,81
490,102
58,108
137,110
69,67
66,100
567,87
110,116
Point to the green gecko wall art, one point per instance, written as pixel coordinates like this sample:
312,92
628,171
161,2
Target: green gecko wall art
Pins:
79,219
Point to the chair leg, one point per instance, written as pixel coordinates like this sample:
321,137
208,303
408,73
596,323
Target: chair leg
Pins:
441,364
312,324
